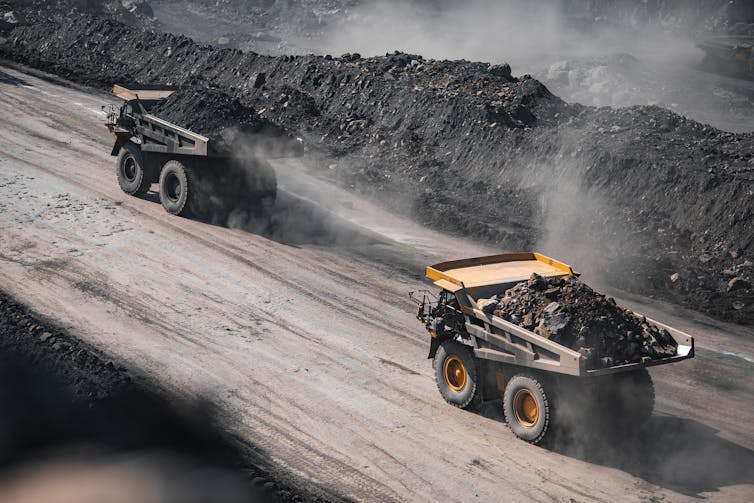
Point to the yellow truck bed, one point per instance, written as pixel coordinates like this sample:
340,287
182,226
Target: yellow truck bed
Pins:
494,269
143,93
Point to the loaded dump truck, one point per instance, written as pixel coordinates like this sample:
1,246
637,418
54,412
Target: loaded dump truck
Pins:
193,171
478,355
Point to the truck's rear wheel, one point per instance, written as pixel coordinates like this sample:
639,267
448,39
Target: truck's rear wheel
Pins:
131,170
526,407
176,188
456,374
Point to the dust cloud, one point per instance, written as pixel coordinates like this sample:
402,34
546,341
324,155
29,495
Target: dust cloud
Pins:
528,35
677,453
251,192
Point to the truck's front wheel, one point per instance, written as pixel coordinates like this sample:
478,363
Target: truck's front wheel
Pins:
526,407
132,174
176,187
456,374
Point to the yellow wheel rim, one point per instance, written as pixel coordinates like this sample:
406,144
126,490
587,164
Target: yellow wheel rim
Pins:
454,372
525,408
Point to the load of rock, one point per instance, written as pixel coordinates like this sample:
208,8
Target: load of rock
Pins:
224,120
213,114
208,111
567,311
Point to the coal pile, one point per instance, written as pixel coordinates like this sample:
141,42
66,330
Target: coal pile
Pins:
569,312
220,117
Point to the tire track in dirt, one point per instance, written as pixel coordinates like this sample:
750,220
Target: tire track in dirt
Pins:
135,308
235,254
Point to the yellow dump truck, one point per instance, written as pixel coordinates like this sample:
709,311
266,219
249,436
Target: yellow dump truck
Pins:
479,356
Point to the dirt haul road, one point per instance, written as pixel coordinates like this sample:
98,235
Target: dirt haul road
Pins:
304,335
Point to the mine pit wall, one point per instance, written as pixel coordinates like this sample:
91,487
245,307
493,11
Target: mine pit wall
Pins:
639,197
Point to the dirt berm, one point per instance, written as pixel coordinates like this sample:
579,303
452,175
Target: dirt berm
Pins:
640,197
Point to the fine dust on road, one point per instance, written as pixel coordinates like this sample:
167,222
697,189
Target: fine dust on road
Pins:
305,337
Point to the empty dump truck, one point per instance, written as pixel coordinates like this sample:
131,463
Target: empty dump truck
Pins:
193,171
479,356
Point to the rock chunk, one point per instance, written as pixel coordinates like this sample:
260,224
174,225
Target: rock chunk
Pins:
738,283
488,306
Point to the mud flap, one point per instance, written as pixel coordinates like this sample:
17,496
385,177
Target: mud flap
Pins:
119,141
434,343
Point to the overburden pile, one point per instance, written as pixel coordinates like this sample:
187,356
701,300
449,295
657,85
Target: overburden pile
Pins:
134,12
569,312
656,203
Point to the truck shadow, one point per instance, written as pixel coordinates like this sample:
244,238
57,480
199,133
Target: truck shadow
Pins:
680,454
6,78
672,452
296,221
293,221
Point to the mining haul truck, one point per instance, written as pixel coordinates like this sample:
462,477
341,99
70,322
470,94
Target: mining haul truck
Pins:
732,56
479,356
194,175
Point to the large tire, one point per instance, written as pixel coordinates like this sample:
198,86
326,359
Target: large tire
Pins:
456,374
177,188
133,177
527,409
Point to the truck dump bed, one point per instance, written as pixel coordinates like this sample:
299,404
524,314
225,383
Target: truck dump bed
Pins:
500,340
156,135
144,93
494,270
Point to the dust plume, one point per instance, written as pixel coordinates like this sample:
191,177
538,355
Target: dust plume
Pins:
528,35
254,191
